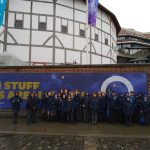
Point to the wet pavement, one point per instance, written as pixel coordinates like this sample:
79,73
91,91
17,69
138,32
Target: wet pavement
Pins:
78,136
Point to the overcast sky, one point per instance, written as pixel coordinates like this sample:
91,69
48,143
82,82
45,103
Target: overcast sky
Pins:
130,13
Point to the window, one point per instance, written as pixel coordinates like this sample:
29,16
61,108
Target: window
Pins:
64,29
19,24
96,37
42,26
112,46
106,41
82,33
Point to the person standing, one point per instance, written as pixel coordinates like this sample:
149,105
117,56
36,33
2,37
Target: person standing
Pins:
44,105
31,107
62,108
86,110
16,100
145,110
94,105
69,109
128,110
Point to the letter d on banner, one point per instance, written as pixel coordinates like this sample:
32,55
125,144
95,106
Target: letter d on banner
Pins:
92,11
2,9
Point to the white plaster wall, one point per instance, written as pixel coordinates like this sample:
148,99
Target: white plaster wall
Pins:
66,2
43,8
22,52
19,5
80,5
41,54
66,40
73,56
97,46
96,59
21,36
84,58
60,55
80,43
11,19
80,16
105,60
39,37
105,17
64,12
105,27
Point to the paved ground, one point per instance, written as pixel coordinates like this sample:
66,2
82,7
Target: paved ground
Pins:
80,136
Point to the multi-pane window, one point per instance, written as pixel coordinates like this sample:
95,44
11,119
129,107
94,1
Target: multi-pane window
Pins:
64,29
42,26
96,37
82,33
106,41
19,24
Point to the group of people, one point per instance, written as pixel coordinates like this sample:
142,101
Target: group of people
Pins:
76,106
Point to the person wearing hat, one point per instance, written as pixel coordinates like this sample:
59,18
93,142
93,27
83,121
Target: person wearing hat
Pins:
16,100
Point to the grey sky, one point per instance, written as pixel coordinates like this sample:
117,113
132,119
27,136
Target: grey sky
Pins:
130,13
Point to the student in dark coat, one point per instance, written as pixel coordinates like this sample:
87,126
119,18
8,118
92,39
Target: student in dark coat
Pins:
120,116
86,103
44,104
31,106
53,106
113,107
128,109
69,109
145,110
108,101
76,100
102,106
62,108
94,105
16,100
36,97
138,100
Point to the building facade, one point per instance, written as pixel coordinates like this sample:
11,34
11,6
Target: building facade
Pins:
54,32
133,46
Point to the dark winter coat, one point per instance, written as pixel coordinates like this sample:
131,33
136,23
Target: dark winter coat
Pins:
52,104
128,107
69,105
32,104
15,101
94,104
62,105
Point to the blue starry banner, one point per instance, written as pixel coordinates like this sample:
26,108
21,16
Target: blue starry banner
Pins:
24,83
2,10
92,12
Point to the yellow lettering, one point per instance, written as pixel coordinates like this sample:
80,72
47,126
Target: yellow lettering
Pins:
7,85
2,95
14,85
36,85
29,85
10,94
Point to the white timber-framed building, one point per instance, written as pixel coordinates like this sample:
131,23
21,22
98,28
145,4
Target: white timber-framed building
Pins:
53,32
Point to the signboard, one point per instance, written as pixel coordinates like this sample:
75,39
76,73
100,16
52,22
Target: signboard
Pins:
90,82
2,9
92,11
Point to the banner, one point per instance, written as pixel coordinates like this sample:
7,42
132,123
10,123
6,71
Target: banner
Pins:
89,82
2,9
92,11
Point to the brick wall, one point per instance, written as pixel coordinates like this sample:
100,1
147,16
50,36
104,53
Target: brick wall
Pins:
121,68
